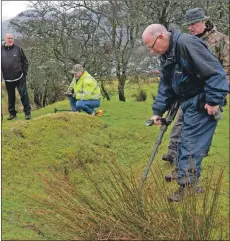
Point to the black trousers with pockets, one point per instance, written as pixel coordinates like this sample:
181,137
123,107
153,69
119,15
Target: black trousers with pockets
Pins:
22,90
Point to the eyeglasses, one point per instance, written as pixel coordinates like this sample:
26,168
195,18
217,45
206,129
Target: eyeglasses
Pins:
152,46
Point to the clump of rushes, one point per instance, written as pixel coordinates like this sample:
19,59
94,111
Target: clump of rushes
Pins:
141,95
110,209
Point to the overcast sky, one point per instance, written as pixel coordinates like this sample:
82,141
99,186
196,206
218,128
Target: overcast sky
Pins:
11,9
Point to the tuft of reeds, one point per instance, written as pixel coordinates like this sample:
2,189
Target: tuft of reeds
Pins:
141,95
110,210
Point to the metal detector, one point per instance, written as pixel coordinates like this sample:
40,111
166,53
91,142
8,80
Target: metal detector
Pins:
165,123
61,110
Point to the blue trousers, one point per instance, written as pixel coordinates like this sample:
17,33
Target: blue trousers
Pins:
84,105
196,136
72,102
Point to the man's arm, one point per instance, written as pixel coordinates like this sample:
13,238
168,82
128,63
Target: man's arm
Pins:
25,63
164,98
71,86
70,90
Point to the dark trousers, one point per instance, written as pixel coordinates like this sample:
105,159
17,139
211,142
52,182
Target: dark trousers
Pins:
196,136
22,90
175,136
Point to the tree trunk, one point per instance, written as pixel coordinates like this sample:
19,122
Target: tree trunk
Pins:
37,101
121,85
44,100
105,93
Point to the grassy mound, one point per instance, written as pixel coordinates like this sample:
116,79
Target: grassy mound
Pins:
67,144
68,141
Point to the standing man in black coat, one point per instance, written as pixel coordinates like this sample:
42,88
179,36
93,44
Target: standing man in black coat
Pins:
14,71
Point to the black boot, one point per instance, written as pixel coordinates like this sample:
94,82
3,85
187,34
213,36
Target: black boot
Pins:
168,157
28,116
11,117
184,191
171,176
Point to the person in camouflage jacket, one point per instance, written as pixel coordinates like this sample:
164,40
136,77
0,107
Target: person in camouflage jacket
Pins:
218,43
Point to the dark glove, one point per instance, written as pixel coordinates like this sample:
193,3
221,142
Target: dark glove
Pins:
69,93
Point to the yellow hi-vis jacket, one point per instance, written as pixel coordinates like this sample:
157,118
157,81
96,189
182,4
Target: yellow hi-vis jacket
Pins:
86,88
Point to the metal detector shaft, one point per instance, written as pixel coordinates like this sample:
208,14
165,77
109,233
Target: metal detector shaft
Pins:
165,123
60,110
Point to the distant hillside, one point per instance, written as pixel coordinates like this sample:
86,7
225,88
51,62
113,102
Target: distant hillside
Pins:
23,16
6,28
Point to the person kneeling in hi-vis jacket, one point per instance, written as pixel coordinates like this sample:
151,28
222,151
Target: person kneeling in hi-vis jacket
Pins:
85,92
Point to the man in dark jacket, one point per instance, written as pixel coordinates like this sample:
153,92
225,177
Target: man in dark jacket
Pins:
218,43
14,71
189,72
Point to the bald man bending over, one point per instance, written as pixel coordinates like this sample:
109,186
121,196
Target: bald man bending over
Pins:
14,71
190,73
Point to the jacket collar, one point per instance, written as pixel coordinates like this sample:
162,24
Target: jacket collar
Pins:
172,43
170,55
84,75
168,59
7,47
208,32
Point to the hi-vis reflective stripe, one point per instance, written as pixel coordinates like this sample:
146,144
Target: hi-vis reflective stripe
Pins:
85,93
88,94
96,96
14,79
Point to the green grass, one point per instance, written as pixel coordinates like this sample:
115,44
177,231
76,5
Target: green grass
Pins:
68,142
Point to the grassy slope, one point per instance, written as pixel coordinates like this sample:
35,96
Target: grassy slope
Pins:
68,140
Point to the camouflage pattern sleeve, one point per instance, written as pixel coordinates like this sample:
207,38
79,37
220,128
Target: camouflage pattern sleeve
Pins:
224,56
218,44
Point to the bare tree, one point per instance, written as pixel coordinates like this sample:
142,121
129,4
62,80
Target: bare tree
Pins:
104,35
120,23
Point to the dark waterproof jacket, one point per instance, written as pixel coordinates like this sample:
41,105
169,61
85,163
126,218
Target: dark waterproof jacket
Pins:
187,69
14,62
